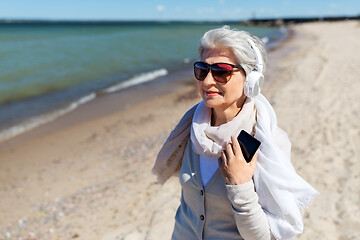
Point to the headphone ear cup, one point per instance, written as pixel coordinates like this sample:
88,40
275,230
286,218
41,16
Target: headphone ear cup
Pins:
253,84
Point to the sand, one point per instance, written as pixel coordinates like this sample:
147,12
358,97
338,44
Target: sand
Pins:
92,179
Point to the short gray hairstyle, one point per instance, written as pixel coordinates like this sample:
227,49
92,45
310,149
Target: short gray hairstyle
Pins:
237,42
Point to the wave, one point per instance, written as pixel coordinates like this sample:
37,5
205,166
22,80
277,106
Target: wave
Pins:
145,77
39,120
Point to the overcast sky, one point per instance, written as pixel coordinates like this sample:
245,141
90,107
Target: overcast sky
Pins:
173,10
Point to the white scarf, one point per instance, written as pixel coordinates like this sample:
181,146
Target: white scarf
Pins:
283,194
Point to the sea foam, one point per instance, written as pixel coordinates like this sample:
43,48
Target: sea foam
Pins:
141,78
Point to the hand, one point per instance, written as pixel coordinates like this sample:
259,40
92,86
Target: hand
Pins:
233,165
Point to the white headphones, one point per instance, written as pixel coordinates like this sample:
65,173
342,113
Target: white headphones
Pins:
255,79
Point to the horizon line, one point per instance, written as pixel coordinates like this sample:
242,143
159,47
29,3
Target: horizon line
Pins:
43,20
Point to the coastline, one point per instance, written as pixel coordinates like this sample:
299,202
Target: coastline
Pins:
97,104
24,115
91,179
107,104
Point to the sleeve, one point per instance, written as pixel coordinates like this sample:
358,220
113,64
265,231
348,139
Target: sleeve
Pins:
250,219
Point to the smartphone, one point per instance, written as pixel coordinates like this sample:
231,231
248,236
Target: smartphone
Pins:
248,145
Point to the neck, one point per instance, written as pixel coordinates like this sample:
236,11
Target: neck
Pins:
224,115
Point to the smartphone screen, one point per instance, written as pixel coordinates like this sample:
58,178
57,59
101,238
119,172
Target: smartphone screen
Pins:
248,145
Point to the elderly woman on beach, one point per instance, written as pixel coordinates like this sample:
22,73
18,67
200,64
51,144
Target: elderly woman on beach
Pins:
223,195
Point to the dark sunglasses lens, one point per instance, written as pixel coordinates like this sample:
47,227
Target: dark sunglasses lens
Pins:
221,72
201,70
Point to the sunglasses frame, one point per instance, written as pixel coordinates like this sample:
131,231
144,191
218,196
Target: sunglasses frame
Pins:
210,68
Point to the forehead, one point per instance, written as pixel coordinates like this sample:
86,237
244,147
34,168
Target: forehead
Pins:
215,55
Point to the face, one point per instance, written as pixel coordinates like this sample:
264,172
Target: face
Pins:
222,96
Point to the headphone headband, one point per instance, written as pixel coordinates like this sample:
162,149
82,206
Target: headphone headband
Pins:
259,61
255,79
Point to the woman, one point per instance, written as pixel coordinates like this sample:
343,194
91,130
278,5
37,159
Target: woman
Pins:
223,196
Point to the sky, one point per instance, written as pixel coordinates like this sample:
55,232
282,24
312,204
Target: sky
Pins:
206,10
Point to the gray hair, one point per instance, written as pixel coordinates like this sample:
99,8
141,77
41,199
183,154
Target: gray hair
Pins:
237,42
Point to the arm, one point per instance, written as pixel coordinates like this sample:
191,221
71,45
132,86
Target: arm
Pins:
250,219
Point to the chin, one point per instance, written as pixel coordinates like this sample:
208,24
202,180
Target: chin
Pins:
211,103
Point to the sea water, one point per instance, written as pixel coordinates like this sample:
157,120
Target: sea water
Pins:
48,69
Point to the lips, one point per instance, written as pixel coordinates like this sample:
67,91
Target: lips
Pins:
211,93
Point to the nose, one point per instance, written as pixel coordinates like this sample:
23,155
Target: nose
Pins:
209,80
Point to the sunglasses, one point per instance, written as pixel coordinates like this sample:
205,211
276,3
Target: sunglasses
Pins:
221,72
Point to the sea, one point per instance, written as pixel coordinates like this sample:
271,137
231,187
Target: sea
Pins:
48,69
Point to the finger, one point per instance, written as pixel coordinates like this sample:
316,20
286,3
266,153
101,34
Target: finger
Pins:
229,151
236,147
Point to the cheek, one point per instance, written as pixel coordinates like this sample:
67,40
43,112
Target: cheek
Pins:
235,90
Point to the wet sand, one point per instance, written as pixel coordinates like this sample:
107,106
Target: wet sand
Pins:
91,179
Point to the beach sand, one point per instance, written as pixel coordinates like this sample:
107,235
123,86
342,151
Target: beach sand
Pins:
91,179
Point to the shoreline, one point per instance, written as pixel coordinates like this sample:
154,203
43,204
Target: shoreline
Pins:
92,99
22,115
102,103
92,179
107,104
